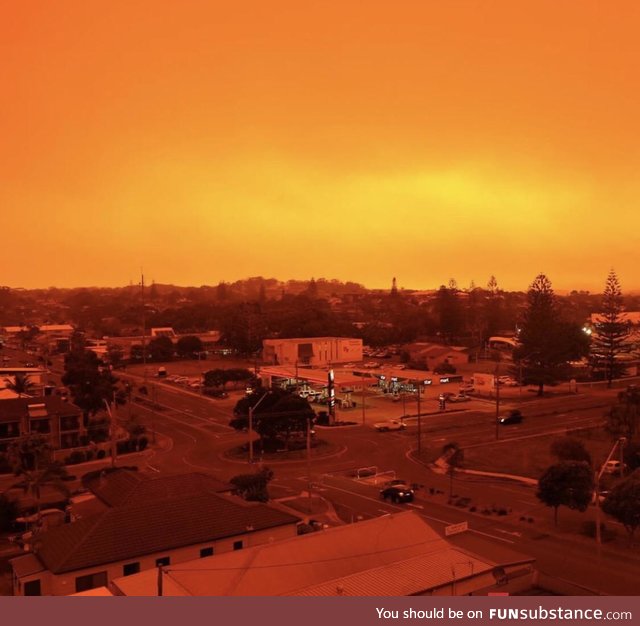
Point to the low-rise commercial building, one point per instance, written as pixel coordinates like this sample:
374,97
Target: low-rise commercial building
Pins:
393,555
314,351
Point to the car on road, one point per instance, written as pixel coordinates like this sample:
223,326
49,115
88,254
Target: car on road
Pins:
507,381
459,397
397,493
383,427
371,365
512,417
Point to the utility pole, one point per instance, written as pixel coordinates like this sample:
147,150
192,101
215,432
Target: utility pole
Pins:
309,482
251,410
144,332
496,384
419,387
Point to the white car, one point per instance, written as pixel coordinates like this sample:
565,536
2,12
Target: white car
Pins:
383,427
371,365
309,394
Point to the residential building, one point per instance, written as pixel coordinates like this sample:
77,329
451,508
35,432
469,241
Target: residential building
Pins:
49,415
315,351
160,522
431,355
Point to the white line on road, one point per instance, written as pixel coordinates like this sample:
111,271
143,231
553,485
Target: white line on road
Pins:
429,517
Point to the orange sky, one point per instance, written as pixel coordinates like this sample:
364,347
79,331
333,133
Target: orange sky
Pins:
212,141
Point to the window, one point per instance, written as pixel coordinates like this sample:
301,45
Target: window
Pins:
206,552
130,568
91,581
238,545
32,588
163,562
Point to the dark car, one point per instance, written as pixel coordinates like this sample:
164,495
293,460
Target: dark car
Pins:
397,493
513,417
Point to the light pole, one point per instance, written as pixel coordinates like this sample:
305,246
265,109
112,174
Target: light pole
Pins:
112,429
598,475
419,386
251,410
496,383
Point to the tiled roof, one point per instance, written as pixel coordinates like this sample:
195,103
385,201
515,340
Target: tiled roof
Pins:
17,408
126,487
131,531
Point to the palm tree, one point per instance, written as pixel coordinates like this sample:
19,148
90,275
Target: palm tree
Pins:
20,384
33,481
31,459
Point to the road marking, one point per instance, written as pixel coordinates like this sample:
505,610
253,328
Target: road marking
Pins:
429,517
415,506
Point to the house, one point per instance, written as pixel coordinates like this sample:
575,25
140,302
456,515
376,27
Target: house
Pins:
392,555
48,415
158,522
315,351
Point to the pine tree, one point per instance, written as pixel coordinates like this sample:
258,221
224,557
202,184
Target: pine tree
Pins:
546,341
611,332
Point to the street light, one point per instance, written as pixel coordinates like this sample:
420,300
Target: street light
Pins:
112,429
620,442
251,410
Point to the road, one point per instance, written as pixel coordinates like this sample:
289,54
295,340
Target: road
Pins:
192,434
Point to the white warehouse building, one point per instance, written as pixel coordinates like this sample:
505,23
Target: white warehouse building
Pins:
316,351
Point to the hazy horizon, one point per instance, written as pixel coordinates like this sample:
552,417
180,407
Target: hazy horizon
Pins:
209,142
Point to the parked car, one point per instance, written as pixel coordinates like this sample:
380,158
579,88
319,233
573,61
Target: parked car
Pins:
371,365
309,394
397,493
382,427
507,381
512,417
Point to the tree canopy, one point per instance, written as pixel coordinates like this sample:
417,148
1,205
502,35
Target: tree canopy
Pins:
623,503
546,342
611,333
569,483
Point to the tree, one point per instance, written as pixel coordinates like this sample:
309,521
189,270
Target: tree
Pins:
547,343
277,417
19,383
570,449
623,503
90,383
569,483
115,356
161,349
29,452
31,459
189,346
611,333
254,487
623,419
